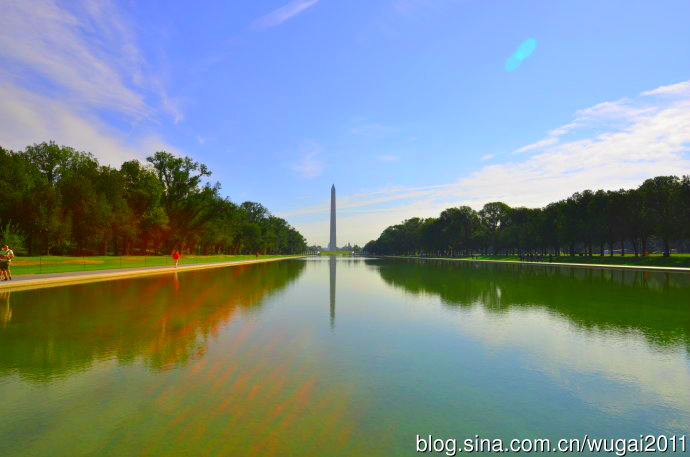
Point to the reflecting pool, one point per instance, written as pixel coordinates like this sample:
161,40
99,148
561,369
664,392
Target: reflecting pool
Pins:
342,357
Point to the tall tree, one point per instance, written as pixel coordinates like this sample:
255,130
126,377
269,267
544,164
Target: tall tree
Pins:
188,204
493,217
662,204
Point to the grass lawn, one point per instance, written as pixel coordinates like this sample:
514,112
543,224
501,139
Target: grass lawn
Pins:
654,260
59,264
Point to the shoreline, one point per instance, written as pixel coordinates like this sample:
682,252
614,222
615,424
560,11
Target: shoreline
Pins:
554,264
25,282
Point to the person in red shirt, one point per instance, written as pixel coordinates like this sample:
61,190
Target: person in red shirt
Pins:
176,257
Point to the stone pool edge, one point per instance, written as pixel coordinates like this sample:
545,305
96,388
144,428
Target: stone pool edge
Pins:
66,279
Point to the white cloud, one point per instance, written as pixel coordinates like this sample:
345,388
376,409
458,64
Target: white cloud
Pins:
601,115
387,158
487,157
282,14
634,140
66,64
650,141
309,165
620,110
671,89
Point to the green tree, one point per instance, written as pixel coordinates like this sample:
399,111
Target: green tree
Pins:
188,204
49,224
459,227
88,207
493,217
662,205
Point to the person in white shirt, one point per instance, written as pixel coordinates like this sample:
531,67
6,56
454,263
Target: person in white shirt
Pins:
6,256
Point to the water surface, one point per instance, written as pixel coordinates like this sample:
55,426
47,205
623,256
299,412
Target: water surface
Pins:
342,357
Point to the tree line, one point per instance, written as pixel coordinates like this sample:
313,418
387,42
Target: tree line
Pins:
654,216
57,200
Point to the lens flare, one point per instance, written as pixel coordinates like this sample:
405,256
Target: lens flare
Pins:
522,52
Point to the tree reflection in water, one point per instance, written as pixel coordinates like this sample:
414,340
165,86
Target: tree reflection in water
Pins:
652,303
165,319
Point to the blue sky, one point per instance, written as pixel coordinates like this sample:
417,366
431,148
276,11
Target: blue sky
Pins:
406,105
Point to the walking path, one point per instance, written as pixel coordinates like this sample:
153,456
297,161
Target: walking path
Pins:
75,277
559,264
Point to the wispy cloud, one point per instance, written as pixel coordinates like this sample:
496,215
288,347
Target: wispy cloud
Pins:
368,198
309,164
671,89
619,110
282,14
487,157
610,146
362,220
80,60
27,118
410,7
539,144
388,158
615,114
370,129
54,46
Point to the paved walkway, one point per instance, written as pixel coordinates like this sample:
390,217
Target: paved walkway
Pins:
63,279
559,264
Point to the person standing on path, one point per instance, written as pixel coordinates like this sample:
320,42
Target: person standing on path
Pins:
6,256
176,257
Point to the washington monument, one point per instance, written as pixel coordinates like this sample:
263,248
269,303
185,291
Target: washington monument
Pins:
331,244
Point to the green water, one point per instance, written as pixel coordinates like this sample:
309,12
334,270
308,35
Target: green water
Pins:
342,357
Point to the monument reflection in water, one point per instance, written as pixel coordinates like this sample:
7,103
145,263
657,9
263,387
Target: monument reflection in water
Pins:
332,263
247,361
